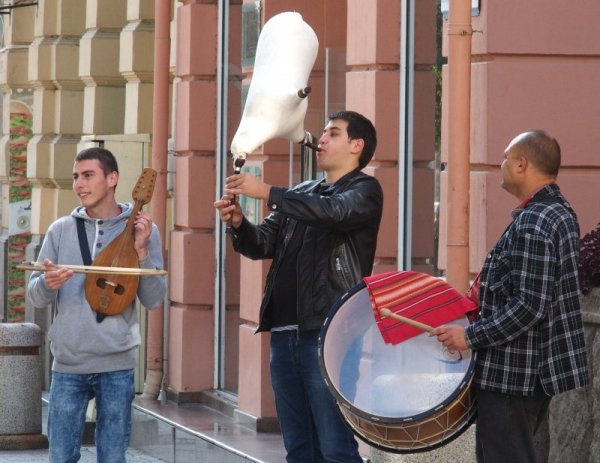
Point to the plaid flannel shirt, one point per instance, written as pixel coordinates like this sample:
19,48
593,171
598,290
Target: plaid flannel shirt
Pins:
530,323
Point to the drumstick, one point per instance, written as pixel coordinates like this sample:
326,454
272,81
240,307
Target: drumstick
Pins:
409,321
38,266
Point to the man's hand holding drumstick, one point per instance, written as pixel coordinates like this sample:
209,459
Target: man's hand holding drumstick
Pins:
451,336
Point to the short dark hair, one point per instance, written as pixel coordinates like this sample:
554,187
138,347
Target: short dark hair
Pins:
542,150
107,160
359,127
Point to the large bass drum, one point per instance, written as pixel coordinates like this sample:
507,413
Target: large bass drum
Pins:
405,398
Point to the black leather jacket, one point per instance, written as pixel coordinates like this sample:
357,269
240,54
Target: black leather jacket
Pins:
338,246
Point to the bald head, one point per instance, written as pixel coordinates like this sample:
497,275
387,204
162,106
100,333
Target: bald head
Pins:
540,148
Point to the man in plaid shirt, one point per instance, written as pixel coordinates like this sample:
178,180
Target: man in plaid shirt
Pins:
529,336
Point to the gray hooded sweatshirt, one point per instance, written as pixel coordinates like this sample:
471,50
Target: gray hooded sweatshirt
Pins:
78,342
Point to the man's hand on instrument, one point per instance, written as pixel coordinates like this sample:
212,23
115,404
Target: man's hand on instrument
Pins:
54,279
228,211
248,185
451,336
143,228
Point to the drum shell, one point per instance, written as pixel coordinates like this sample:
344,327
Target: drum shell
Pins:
423,430
422,435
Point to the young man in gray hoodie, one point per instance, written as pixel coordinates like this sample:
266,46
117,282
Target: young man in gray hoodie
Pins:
93,356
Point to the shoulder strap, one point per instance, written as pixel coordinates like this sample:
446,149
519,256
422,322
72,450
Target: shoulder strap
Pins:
84,247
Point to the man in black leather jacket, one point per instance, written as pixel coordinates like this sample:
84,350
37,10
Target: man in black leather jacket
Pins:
322,237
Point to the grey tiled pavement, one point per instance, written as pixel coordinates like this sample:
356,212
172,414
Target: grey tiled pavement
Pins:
167,433
88,455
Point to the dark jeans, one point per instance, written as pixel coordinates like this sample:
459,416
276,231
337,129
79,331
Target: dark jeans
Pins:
312,426
511,428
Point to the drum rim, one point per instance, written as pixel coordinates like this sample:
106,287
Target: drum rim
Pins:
341,400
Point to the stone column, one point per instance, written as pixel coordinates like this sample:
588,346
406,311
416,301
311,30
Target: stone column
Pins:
136,65
58,109
58,112
17,99
271,163
104,94
372,88
191,255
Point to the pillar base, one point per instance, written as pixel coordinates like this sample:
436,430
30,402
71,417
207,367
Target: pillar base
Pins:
23,442
264,424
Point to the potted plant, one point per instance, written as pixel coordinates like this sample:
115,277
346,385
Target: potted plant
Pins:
589,261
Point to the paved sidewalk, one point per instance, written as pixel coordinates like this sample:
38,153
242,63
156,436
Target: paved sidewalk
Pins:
88,455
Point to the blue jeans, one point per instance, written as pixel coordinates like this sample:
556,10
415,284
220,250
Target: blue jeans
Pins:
312,426
69,396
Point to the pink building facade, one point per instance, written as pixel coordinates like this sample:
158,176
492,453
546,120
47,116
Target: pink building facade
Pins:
534,65
358,67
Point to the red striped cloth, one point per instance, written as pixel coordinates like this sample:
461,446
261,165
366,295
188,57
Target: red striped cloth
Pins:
417,296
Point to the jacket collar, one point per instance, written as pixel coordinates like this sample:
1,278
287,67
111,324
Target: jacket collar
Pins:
550,190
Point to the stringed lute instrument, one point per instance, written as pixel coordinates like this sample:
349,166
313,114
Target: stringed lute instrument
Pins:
109,293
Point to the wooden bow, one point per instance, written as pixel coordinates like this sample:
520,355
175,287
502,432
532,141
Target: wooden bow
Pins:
41,267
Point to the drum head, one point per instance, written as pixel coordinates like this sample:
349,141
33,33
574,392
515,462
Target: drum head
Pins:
383,382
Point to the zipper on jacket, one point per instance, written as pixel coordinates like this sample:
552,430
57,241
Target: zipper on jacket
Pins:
342,272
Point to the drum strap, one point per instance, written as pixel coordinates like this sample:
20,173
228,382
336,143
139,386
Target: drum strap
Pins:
415,295
473,292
